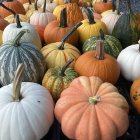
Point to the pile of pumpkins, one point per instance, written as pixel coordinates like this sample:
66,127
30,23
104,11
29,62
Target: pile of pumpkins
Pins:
63,58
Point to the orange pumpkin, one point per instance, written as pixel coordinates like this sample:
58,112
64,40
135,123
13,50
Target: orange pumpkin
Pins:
3,23
15,5
97,63
100,7
135,94
59,29
92,110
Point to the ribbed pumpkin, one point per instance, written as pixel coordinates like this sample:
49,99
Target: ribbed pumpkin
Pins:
13,29
135,94
98,63
14,5
61,2
26,110
13,52
105,5
0,37
57,79
127,28
57,54
90,27
3,23
112,45
41,18
92,110
59,29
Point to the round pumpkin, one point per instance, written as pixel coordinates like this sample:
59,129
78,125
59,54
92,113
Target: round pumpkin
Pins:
57,79
112,45
14,52
0,37
26,110
135,94
57,54
13,29
92,110
90,27
98,63
15,5
128,60
59,29
3,23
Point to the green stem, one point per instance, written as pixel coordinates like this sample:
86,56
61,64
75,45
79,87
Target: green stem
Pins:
129,6
16,40
18,21
89,13
44,7
61,47
117,7
35,5
66,66
94,100
102,35
63,18
17,82
8,9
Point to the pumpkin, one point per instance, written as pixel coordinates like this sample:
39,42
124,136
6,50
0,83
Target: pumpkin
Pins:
57,79
57,11
15,5
61,2
13,29
98,63
59,29
135,94
28,5
112,45
41,2
29,107
90,27
3,23
57,54
94,1
90,109
128,60
26,1
41,18
14,52
127,27
105,5
86,3
0,37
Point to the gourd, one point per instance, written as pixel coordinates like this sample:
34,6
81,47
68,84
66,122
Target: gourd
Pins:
57,54
90,109
112,45
13,29
26,109
14,52
98,63
57,79
3,23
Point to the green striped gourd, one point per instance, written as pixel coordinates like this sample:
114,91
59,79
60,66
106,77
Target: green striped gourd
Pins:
13,52
112,45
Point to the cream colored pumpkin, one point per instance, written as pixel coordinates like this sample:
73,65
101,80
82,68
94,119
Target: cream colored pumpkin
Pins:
50,7
0,37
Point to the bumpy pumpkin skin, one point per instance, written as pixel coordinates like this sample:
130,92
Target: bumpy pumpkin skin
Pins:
56,83
107,69
81,119
135,94
112,45
3,23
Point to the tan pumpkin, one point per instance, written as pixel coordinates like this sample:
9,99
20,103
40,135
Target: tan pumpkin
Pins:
97,63
57,54
3,23
90,109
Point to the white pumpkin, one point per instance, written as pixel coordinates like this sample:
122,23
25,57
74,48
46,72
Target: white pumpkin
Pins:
41,2
26,110
13,29
50,6
129,61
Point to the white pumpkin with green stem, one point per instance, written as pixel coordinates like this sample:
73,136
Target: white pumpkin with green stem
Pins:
11,31
26,110
14,52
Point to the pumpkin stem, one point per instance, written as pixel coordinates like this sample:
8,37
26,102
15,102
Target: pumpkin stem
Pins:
114,7
35,5
105,1
63,18
66,66
61,47
139,45
30,3
17,82
51,1
117,6
44,7
102,35
9,0
94,100
16,40
129,6
99,49
89,13
18,21
8,9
